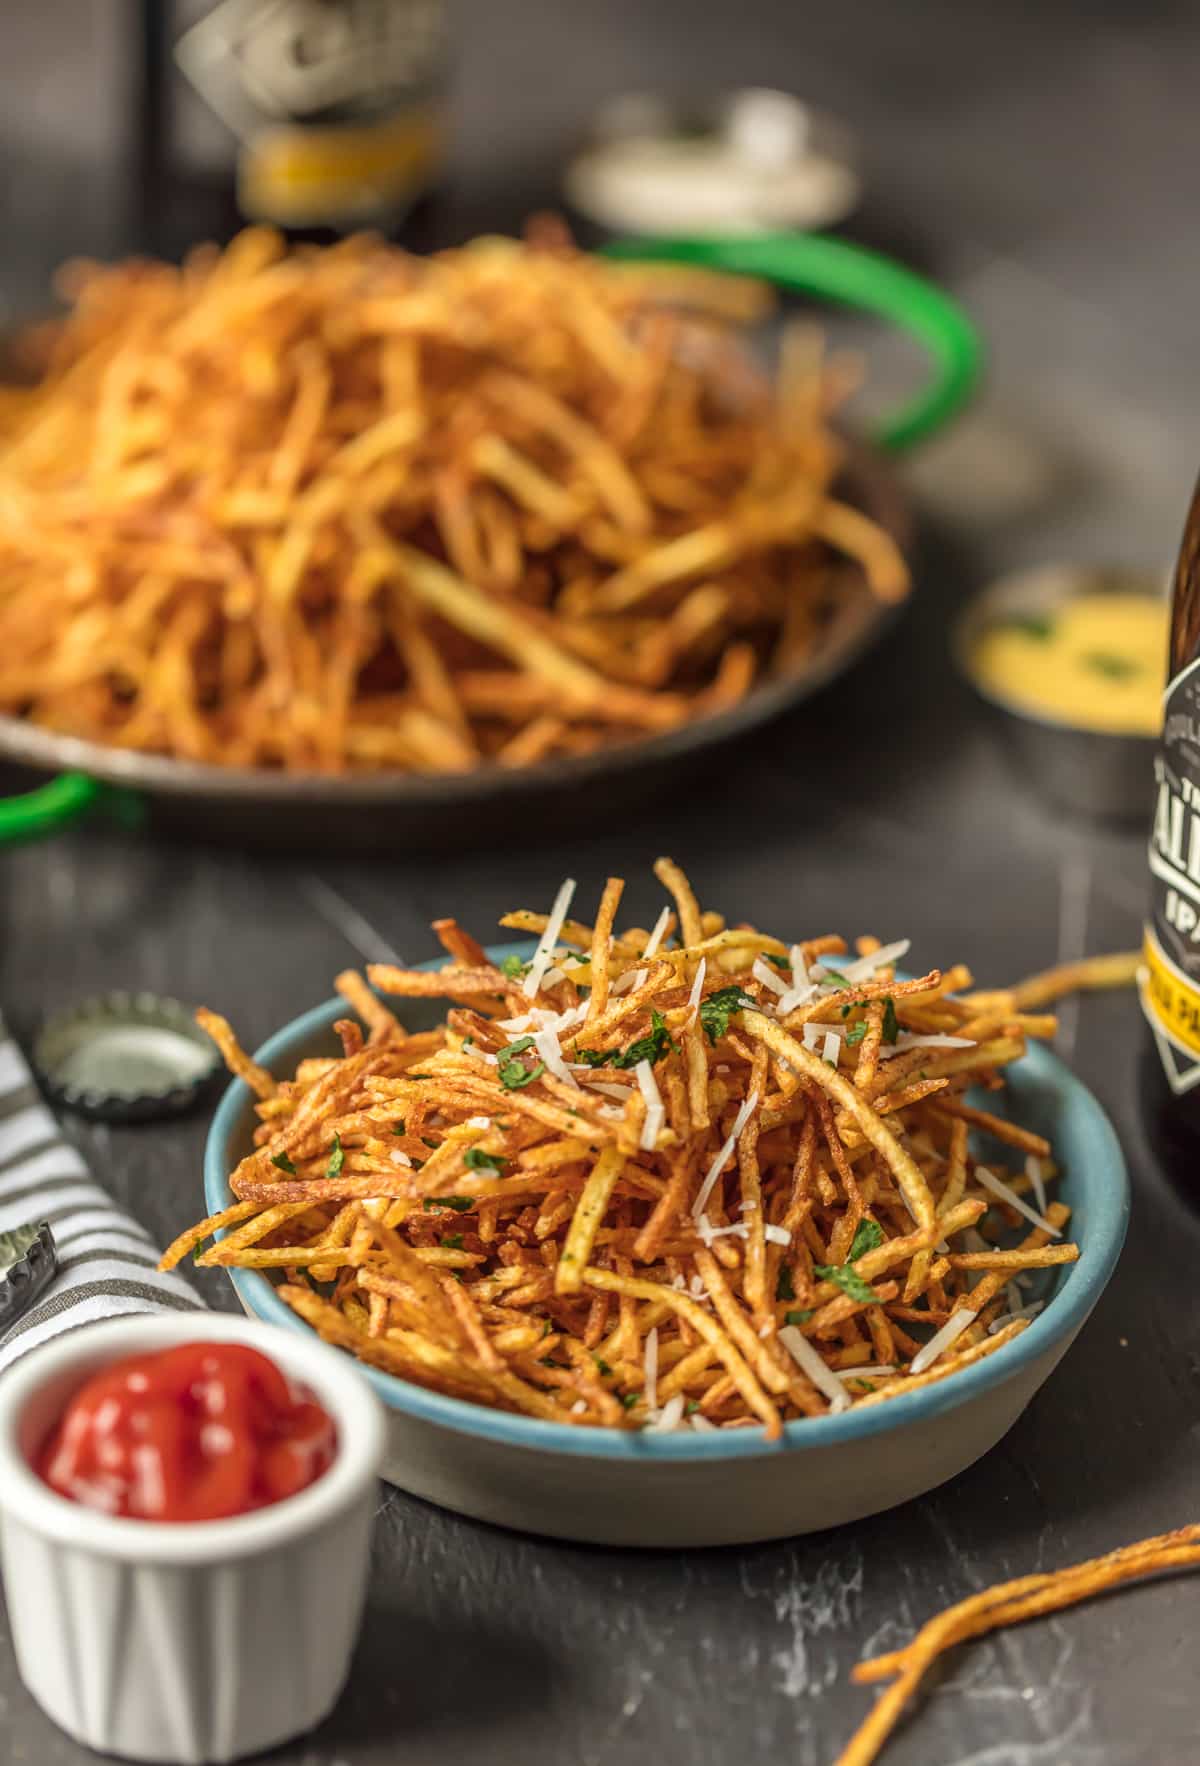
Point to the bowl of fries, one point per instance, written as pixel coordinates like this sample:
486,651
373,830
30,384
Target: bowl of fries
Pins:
346,530
640,1217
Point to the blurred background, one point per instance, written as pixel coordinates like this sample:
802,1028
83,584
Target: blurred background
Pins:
1037,158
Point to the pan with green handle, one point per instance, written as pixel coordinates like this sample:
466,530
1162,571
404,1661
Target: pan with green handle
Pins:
376,811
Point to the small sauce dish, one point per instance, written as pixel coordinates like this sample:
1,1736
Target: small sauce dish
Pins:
1056,730
196,1641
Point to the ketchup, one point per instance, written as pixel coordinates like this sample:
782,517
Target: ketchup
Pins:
194,1433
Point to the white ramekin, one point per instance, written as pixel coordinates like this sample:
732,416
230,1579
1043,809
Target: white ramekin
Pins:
195,1642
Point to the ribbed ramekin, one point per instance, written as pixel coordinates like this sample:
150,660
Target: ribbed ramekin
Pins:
195,1642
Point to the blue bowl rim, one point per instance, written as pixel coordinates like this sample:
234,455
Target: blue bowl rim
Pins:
1103,1173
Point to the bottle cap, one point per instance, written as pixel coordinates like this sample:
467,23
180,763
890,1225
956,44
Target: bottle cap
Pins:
28,1263
125,1057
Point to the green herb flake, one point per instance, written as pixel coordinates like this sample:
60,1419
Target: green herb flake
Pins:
432,1145
833,976
460,1204
418,1076
856,1032
651,1047
629,1399
514,1075
783,963
847,1279
478,1160
719,1008
594,1057
282,1162
453,1241
1113,668
798,1318
891,1024
868,1237
602,1365
784,1287
514,967
337,1158
400,1127
1038,626
691,1407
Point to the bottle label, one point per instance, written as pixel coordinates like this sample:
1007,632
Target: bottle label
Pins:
1170,979
337,104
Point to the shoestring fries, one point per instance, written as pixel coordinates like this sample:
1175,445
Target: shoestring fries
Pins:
686,1178
1007,1603
346,509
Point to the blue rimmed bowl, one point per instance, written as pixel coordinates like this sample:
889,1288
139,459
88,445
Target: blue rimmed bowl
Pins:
617,1487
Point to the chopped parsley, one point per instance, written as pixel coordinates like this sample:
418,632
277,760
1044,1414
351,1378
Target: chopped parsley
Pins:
719,1008
784,1287
1029,625
846,1278
514,967
579,956
426,1142
798,1318
478,1160
651,1047
453,1241
868,1237
460,1204
602,1365
337,1158
513,1073
891,1024
779,962
418,1075
400,1127
856,1032
691,1407
283,1163
629,1399
1113,668
833,975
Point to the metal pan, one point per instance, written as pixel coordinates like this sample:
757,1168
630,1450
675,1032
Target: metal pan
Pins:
382,811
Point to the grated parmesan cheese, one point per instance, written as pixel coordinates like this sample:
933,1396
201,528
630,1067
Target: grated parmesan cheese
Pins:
941,1340
997,1187
478,1122
656,1113
631,979
658,934
1033,1171
669,1417
718,1165
605,1087
550,1051
1030,1311
697,990
702,1425
549,938
400,1158
763,972
650,1364
912,1039
875,1372
862,968
811,1362
831,1048
777,1235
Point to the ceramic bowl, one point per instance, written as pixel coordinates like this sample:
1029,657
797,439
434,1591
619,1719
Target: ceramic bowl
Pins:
188,1642
614,1487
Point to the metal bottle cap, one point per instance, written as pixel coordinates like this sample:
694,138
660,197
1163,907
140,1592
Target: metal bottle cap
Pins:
125,1057
28,1263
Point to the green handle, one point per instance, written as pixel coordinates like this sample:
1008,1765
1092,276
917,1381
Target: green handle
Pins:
63,801
810,263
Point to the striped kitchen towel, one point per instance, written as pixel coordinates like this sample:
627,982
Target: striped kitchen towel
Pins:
106,1261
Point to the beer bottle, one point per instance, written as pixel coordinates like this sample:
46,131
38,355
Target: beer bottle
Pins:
334,109
1170,979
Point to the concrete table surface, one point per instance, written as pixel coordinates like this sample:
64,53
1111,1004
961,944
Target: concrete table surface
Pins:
1041,162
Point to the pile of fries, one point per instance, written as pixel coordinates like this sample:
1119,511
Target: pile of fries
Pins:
346,508
691,1177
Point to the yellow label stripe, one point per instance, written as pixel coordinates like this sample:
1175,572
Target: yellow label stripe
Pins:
1173,1001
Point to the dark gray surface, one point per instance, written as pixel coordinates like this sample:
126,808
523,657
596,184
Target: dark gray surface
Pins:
1042,160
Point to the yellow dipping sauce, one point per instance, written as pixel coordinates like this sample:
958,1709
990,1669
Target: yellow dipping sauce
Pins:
1098,662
